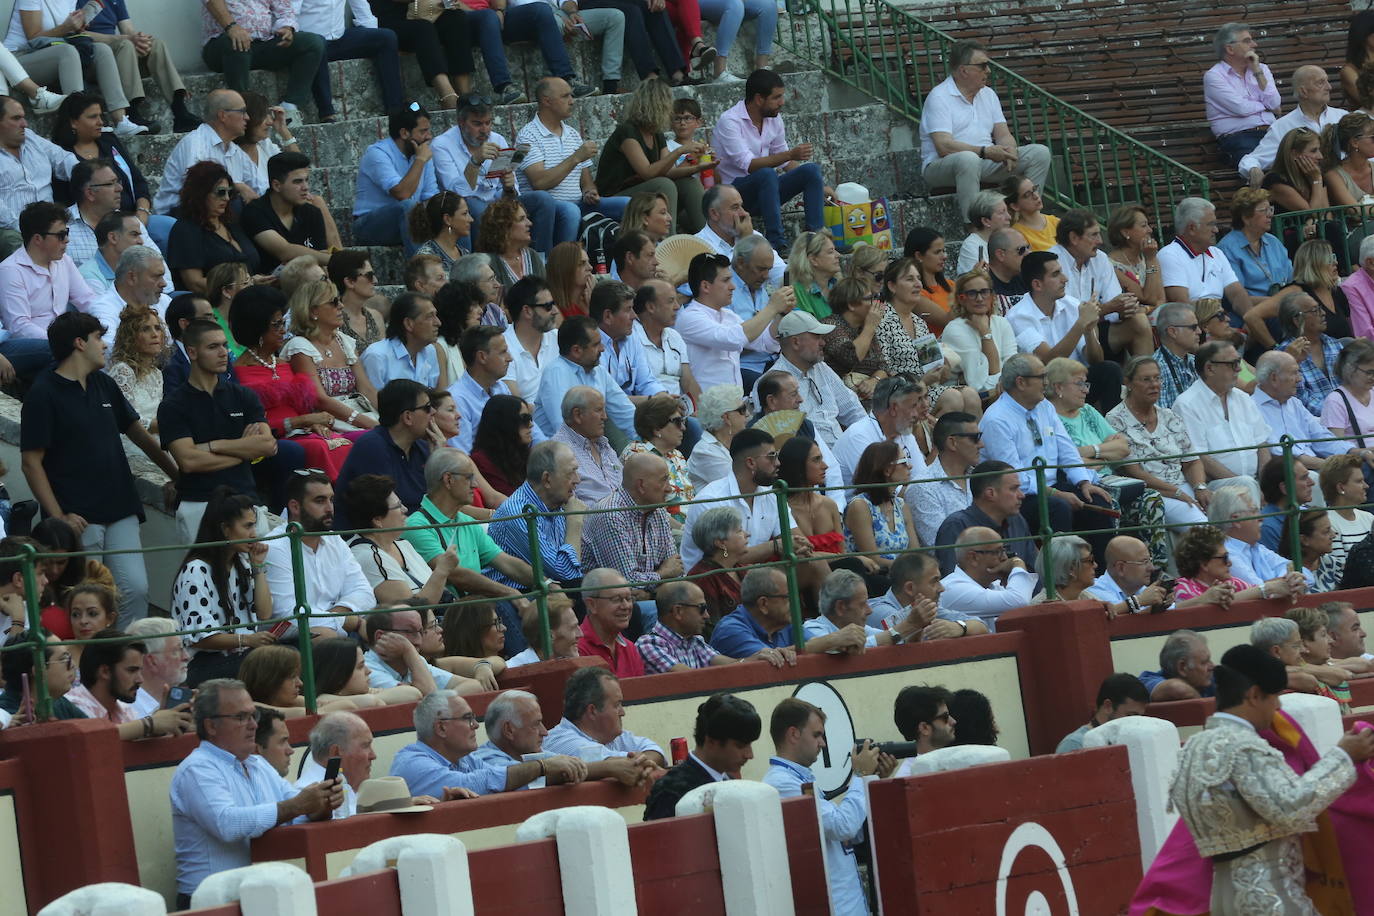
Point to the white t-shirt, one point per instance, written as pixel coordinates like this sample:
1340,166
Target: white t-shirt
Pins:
947,111
1096,278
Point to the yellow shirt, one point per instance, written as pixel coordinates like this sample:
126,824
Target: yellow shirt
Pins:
1039,240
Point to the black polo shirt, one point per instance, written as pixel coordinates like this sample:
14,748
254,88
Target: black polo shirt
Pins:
307,227
79,429
375,452
187,412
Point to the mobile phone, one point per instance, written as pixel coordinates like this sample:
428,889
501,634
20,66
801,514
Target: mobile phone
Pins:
92,9
279,629
582,29
331,769
177,696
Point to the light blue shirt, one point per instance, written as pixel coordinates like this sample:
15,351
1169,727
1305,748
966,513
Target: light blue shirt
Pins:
1106,589
747,303
567,738
842,825
451,158
1258,275
219,805
381,169
1253,564
887,605
629,367
1291,418
389,359
824,626
507,529
563,374
381,675
428,772
471,398
1007,437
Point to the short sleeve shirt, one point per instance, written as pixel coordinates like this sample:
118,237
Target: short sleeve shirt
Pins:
307,227
947,111
476,549
187,412
79,430
1205,275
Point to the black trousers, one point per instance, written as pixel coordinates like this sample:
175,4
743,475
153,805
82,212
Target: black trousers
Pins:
1064,520
440,47
645,31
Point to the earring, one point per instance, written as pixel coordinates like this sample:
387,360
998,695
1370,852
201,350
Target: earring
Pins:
724,552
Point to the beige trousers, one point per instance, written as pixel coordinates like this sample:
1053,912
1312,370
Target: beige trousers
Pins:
159,65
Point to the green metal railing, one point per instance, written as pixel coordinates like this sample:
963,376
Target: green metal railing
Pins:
788,563
885,51
1344,227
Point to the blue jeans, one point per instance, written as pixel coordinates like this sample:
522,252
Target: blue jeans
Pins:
1238,145
552,223
730,14
362,44
766,191
529,22
569,213
387,225
130,575
27,355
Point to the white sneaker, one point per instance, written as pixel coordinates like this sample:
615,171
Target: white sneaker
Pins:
727,77
46,101
127,128
293,115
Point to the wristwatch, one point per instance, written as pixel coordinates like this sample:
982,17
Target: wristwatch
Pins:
1201,486
987,336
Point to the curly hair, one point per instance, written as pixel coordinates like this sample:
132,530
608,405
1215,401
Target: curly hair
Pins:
497,221
460,306
654,413
254,311
650,108
1196,547
72,107
498,436
200,182
1245,202
131,322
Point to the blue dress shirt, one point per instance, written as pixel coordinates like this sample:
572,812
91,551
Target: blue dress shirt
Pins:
381,169
567,738
1291,418
1253,564
629,367
739,636
508,530
427,772
563,374
1260,275
389,359
1013,434
842,825
887,604
219,804
471,399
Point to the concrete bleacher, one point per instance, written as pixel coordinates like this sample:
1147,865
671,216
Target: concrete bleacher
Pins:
856,138
1146,79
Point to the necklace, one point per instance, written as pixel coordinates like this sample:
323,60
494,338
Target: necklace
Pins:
326,352
262,362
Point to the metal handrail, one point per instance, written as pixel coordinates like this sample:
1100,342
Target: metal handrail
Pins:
302,614
887,52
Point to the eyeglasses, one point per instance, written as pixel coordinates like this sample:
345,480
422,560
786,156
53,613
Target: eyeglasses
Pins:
466,717
976,437
1232,364
1032,191
942,717
1034,427
428,407
742,410
370,275
1223,557
981,66
1081,383
770,456
700,606
61,234
1184,327
397,507
498,623
681,118
1368,372
242,111
278,325
65,658
679,422
103,184
526,419
977,293
990,551
241,718
223,193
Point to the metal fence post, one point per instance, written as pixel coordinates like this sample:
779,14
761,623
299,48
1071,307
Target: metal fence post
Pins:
541,595
302,614
1042,502
38,679
789,555
1292,512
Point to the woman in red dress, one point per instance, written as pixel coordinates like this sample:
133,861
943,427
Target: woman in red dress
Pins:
290,400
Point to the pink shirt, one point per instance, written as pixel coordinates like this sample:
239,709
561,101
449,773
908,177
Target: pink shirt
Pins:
32,296
1236,103
738,142
260,18
85,701
1359,291
1192,588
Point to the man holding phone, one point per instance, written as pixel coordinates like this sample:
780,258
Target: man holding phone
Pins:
341,744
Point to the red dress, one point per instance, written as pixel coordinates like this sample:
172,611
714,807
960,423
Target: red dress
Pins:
287,394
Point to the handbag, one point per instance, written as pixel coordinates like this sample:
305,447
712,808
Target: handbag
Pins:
428,10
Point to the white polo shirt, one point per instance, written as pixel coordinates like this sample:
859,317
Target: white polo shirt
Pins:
1034,328
665,361
1205,275
1096,278
947,111
526,369
760,520
549,149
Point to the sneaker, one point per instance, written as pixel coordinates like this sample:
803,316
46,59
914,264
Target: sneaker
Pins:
727,78
46,101
293,115
580,89
511,95
127,128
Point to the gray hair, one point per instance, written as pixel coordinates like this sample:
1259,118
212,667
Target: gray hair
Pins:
838,586
1303,77
715,403
442,461
1352,354
1270,361
1016,366
1229,498
149,629
334,730
217,101
430,710
544,459
602,578
206,704
1268,632
585,687
1227,35
1176,649
579,397
982,205
1191,211
1173,314
961,51
1066,557
672,593
505,708
890,389
1134,363
135,257
715,524
1003,239
1290,313
745,248
468,268
1367,248
757,583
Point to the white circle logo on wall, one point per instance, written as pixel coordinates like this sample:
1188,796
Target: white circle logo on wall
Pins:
833,767
1027,835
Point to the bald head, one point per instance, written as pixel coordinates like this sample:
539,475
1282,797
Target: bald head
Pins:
1277,374
1311,86
645,478
1129,563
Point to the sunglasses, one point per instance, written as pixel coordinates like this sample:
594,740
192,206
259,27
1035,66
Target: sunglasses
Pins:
976,437
1232,364
1223,557
1024,249
61,235
526,419
428,407
370,275
224,193
679,422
